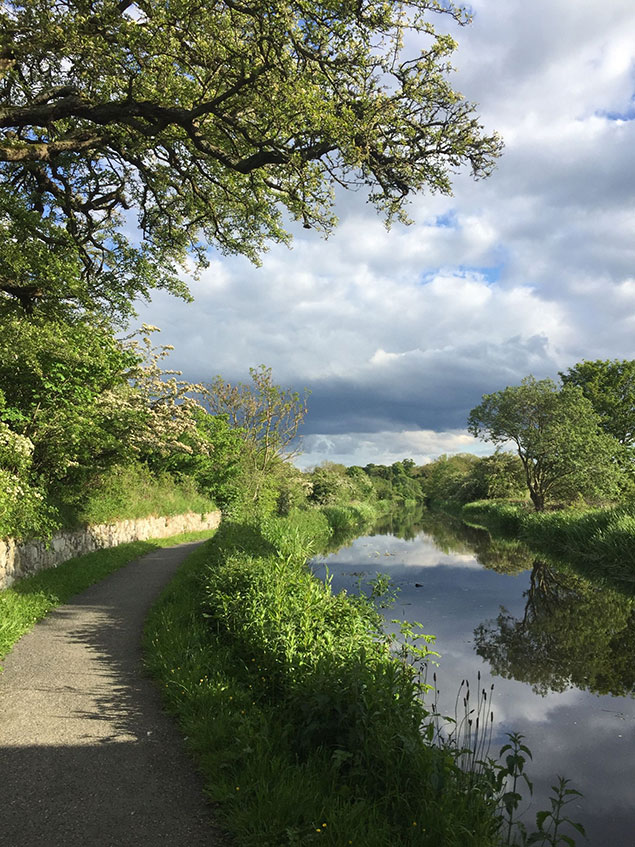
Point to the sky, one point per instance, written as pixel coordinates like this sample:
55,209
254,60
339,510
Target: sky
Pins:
399,333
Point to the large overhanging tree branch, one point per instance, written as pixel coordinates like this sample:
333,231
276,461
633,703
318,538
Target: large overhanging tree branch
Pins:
209,119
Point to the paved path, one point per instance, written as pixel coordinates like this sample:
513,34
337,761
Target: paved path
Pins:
87,757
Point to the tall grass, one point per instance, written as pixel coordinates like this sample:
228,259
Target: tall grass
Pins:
306,727
132,491
600,542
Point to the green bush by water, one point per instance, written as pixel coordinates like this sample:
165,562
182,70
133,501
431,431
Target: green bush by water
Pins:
315,736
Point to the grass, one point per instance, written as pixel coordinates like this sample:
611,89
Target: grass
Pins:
27,601
600,543
304,725
126,492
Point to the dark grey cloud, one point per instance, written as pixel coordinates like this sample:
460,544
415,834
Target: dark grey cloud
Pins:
423,390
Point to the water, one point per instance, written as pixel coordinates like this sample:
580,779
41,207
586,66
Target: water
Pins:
561,655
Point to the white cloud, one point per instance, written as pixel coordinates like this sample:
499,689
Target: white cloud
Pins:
529,271
384,448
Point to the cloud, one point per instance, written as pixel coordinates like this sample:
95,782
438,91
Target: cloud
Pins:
527,272
384,448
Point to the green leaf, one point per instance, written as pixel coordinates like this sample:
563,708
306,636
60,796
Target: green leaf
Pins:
541,817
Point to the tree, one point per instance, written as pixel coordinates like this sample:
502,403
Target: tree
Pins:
330,483
213,462
209,120
23,510
452,478
266,416
610,386
499,475
557,435
86,401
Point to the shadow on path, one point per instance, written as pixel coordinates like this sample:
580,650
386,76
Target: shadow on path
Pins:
87,756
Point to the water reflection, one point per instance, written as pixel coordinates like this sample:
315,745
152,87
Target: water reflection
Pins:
571,633
405,524
559,648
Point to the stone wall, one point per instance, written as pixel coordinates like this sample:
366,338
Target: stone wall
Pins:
19,559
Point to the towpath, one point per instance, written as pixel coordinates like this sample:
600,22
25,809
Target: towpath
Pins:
87,757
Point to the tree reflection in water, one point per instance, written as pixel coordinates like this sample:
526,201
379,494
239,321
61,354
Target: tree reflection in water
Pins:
572,634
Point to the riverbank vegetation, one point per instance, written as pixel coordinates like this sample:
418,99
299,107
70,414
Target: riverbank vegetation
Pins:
320,733
568,489
574,628
599,541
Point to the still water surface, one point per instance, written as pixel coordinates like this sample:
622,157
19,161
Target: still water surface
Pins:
559,650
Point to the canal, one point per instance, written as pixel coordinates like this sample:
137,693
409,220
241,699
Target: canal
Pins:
558,649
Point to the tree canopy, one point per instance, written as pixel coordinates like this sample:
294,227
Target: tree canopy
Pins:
266,416
557,435
610,386
135,134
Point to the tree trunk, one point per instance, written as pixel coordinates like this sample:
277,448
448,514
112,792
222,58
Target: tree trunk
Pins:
538,499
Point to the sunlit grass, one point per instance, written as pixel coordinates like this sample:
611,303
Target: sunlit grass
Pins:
598,542
305,728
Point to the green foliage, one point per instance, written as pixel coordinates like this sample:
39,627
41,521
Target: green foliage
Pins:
464,477
399,482
498,515
549,822
599,542
215,469
345,520
453,478
500,475
32,598
511,775
557,434
316,729
108,108
267,418
74,403
85,399
293,488
55,377
332,483
23,510
133,491
610,386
